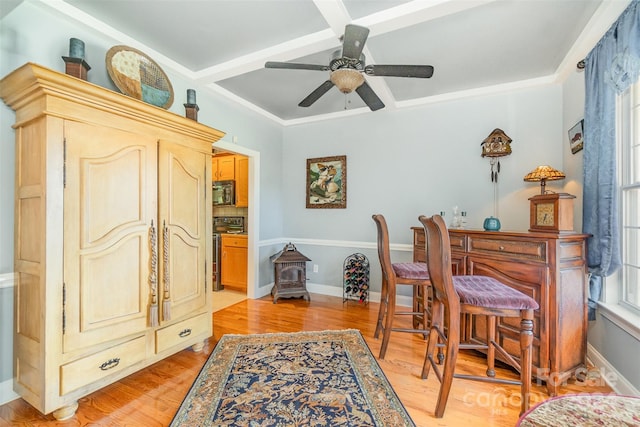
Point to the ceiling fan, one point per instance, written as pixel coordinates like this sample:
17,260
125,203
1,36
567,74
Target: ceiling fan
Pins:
347,66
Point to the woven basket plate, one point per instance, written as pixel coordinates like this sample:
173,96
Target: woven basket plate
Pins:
138,76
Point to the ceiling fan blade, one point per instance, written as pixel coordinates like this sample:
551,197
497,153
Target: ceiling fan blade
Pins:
316,94
354,38
295,66
369,97
422,71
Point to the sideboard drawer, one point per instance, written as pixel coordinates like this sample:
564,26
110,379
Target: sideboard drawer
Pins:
99,365
530,250
457,242
187,329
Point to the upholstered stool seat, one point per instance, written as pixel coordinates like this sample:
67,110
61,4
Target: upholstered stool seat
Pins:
486,291
411,270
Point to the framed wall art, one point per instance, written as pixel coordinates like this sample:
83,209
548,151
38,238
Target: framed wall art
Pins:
327,182
576,137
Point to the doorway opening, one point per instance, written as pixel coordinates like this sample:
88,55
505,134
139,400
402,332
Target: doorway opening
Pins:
252,222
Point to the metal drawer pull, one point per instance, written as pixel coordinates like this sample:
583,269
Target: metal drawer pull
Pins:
185,333
501,248
111,363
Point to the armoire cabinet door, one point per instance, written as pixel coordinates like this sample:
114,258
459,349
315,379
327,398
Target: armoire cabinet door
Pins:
109,206
184,181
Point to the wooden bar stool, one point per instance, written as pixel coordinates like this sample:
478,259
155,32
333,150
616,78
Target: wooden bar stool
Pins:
477,296
394,274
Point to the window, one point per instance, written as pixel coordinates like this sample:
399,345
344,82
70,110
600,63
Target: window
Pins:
628,109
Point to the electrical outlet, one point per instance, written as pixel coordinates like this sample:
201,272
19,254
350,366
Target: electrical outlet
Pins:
315,268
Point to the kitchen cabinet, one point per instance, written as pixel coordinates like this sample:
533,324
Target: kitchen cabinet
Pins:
112,240
234,262
223,168
550,268
242,181
236,168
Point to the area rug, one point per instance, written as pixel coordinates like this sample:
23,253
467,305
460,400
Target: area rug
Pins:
584,410
327,378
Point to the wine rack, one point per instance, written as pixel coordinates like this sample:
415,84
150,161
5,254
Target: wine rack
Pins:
356,279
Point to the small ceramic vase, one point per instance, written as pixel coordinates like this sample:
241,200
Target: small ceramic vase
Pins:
491,224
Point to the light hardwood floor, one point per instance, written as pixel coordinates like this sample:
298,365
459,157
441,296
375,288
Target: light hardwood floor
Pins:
152,396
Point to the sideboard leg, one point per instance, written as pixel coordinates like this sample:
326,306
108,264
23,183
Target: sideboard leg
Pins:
66,412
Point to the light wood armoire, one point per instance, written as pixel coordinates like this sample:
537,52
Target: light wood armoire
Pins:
112,236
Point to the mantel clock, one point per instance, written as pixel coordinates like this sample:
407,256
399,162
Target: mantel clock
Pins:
552,213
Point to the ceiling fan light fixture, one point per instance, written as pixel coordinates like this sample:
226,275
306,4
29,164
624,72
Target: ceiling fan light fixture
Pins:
347,79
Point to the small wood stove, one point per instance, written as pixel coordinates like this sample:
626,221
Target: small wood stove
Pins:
290,271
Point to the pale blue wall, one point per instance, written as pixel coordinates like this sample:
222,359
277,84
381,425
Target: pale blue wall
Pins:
425,160
419,161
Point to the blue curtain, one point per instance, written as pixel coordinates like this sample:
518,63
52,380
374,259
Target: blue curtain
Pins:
610,68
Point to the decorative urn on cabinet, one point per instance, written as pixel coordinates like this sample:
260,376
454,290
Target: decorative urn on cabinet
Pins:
491,224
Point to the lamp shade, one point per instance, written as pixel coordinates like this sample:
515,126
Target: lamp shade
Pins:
347,79
543,174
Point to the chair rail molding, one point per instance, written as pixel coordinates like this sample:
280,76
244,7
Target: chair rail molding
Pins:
7,280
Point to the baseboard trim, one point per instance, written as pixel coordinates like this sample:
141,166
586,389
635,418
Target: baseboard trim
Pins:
334,291
6,392
6,387
611,376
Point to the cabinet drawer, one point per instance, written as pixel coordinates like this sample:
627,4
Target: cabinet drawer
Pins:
522,249
99,365
457,242
182,331
234,241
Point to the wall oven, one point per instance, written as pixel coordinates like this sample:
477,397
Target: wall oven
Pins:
224,193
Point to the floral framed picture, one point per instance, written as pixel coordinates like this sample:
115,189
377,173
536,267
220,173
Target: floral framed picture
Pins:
576,137
327,182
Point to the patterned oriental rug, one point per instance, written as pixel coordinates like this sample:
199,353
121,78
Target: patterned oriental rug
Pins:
327,378
588,410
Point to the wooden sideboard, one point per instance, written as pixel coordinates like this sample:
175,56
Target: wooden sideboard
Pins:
551,268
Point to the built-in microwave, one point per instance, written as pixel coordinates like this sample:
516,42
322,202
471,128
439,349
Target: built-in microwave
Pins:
224,193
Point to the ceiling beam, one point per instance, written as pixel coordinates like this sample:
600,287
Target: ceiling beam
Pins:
414,12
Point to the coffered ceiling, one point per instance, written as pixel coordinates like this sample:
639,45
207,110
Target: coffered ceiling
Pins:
475,46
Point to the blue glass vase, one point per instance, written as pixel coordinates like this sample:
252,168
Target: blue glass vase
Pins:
491,224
